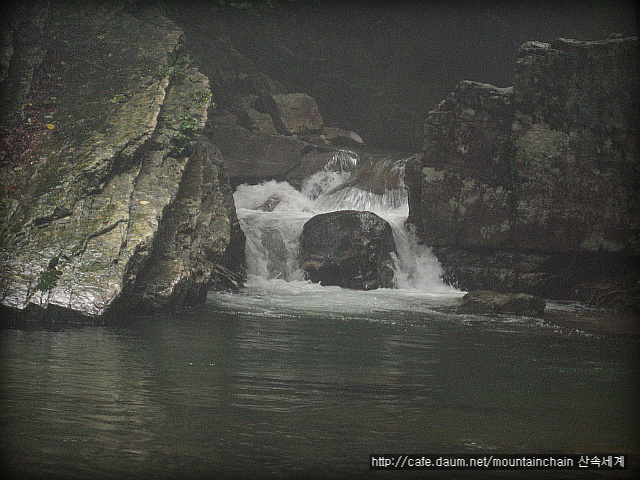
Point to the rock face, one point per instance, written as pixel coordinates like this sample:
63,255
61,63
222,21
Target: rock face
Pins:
263,131
484,301
25,23
293,113
348,248
534,188
199,244
252,157
112,200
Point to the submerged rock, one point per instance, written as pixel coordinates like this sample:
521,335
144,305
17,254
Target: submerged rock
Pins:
348,248
486,301
270,203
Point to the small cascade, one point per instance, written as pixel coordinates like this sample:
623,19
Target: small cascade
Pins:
272,215
377,185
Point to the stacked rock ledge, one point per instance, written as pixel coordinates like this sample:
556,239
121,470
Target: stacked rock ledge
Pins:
534,188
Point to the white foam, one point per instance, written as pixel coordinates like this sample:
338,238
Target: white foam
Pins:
272,215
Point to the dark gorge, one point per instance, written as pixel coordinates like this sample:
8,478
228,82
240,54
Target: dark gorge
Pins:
268,239
529,188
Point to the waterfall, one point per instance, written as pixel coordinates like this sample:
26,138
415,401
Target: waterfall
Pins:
272,215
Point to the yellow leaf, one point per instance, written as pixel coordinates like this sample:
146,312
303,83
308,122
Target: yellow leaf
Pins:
50,126
144,202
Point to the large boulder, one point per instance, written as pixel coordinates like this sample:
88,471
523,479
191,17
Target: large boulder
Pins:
293,113
98,207
258,122
534,188
199,243
253,157
348,248
461,196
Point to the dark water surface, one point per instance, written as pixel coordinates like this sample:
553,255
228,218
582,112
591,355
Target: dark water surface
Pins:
253,391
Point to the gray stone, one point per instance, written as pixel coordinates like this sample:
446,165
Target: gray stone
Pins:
258,122
254,157
190,252
485,301
90,221
348,248
534,188
293,113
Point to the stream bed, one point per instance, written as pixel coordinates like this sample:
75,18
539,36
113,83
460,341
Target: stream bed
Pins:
289,379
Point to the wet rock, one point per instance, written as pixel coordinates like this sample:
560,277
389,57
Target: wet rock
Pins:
278,261
190,252
380,175
534,188
293,113
486,301
112,206
270,203
350,249
254,157
339,136
621,295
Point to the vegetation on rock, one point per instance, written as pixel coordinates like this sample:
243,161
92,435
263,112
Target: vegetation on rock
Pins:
114,106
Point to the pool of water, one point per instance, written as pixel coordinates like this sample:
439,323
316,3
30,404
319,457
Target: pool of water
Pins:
302,381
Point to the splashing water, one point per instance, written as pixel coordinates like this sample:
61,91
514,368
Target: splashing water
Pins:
272,215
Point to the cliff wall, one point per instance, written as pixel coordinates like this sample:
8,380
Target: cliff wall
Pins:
108,197
534,188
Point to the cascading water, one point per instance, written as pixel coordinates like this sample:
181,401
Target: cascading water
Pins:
272,215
